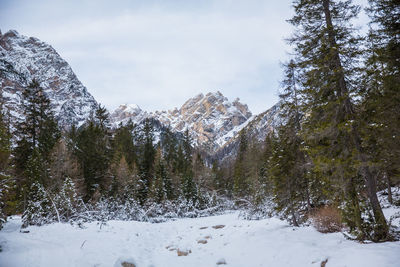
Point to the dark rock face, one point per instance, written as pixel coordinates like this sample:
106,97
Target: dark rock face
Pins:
25,58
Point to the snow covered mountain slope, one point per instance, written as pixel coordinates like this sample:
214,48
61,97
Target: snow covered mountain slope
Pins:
25,58
256,129
209,118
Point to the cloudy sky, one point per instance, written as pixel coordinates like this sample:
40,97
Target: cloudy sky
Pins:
159,53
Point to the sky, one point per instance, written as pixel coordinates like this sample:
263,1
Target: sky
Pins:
159,53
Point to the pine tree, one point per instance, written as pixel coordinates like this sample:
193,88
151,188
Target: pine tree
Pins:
264,178
381,94
162,186
146,168
5,151
91,144
123,144
188,185
240,174
5,140
289,163
169,144
39,128
327,54
36,136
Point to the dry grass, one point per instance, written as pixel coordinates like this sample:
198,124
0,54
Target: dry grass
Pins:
327,219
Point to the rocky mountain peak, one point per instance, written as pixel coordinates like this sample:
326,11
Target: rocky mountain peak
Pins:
126,112
23,59
209,118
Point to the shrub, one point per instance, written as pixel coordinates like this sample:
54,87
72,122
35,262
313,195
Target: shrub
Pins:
327,219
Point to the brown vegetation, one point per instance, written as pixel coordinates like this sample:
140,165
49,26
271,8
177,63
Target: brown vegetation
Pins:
327,219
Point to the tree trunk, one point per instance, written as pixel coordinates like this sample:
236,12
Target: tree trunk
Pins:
356,208
294,220
389,188
342,91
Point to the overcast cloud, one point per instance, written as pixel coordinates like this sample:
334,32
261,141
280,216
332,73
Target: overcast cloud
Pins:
157,54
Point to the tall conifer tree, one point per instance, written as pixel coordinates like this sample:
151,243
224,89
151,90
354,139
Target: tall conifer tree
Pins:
327,53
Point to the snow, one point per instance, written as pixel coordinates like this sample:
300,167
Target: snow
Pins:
236,242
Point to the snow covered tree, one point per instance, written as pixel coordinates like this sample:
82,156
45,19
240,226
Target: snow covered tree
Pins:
67,200
38,209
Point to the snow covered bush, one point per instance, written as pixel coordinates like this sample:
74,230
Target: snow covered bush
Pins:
67,201
67,206
38,210
264,209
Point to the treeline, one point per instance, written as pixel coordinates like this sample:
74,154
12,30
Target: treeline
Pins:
49,168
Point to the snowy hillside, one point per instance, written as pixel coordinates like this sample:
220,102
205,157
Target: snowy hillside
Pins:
25,58
223,240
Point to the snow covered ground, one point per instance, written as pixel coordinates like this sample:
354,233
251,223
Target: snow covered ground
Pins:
208,241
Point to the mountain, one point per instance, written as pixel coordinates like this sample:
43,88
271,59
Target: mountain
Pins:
25,58
256,129
211,119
